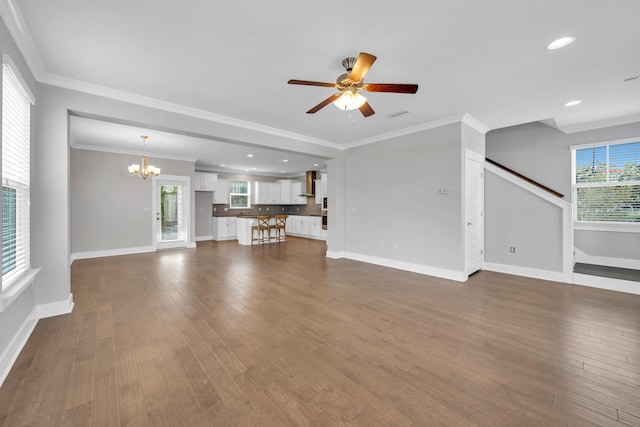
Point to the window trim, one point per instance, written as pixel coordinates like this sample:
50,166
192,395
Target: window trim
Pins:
607,226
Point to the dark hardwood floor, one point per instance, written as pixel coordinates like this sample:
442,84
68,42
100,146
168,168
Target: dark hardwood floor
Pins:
230,335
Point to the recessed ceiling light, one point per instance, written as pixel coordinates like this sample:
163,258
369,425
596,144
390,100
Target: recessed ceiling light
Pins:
249,155
315,164
246,170
253,169
560,43
285,160
282,172
573,103
223,165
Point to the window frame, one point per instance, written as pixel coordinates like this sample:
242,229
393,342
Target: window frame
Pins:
247,194
608,226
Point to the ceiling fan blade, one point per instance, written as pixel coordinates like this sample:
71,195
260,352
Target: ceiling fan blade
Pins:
363,63
324,103
310,83
390,87
366,109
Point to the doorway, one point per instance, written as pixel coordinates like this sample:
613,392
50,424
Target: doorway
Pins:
171,202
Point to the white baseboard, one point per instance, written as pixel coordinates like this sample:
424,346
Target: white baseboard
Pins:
335,254
55,308
584,258
203,238
112,252
443,273
607,283
556,276
10,354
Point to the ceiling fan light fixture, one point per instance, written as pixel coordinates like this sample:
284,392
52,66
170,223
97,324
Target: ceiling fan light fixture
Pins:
350,101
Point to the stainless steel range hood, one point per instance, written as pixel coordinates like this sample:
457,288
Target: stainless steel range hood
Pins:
311,184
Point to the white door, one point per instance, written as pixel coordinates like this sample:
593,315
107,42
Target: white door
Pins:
171,201
474,219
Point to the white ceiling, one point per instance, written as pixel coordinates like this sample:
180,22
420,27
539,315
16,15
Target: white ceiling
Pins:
485,58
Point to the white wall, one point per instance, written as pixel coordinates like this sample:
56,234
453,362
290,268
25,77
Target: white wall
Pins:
542,153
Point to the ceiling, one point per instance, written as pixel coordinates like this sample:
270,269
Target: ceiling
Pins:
233,59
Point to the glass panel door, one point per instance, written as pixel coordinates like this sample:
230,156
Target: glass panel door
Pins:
171,212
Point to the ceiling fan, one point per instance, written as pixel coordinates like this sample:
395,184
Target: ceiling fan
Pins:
349,83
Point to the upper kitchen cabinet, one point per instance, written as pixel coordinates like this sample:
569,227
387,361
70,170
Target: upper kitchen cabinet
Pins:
285,191
296,191
206,181
266,193
321,188
221,194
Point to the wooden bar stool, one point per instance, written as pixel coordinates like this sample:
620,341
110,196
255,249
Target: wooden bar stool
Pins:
263,229
281,223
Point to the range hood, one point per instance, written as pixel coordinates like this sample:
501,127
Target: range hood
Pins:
311,184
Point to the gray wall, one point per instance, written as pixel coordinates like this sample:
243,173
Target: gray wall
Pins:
15,316
110,209
406,173
542,153
514,217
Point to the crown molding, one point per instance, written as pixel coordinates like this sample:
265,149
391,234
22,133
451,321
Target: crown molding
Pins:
474,123
19,32
616,121
457,118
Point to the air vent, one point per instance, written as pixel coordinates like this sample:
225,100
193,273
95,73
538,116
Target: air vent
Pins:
399,113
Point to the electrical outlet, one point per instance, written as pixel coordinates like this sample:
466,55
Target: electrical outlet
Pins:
395,245
226,209
381,244
512,249
267,209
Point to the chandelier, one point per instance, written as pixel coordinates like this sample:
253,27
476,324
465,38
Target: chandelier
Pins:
145,171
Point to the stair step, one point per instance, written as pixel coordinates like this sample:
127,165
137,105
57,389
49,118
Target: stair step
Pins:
605,271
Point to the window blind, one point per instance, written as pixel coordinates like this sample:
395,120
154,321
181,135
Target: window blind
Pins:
606,182
16,117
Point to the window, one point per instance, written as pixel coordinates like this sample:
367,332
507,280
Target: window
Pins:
239,194
16,140
606,183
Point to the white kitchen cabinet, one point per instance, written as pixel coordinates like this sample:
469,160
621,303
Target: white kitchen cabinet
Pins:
319,195
259,193
305,226
285,191
224,228
273,193
315,226
321,188
206,181
266,193
221,194
296,191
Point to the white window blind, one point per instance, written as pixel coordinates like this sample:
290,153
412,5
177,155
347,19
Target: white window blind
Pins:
16,117
606,182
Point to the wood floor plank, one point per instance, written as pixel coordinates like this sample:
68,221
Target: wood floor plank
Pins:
280,335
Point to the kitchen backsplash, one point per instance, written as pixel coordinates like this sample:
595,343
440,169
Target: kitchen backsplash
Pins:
306,210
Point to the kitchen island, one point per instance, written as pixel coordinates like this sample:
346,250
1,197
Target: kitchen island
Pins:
244,230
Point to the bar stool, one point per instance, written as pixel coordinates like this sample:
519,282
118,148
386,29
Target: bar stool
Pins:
281,223
261,227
